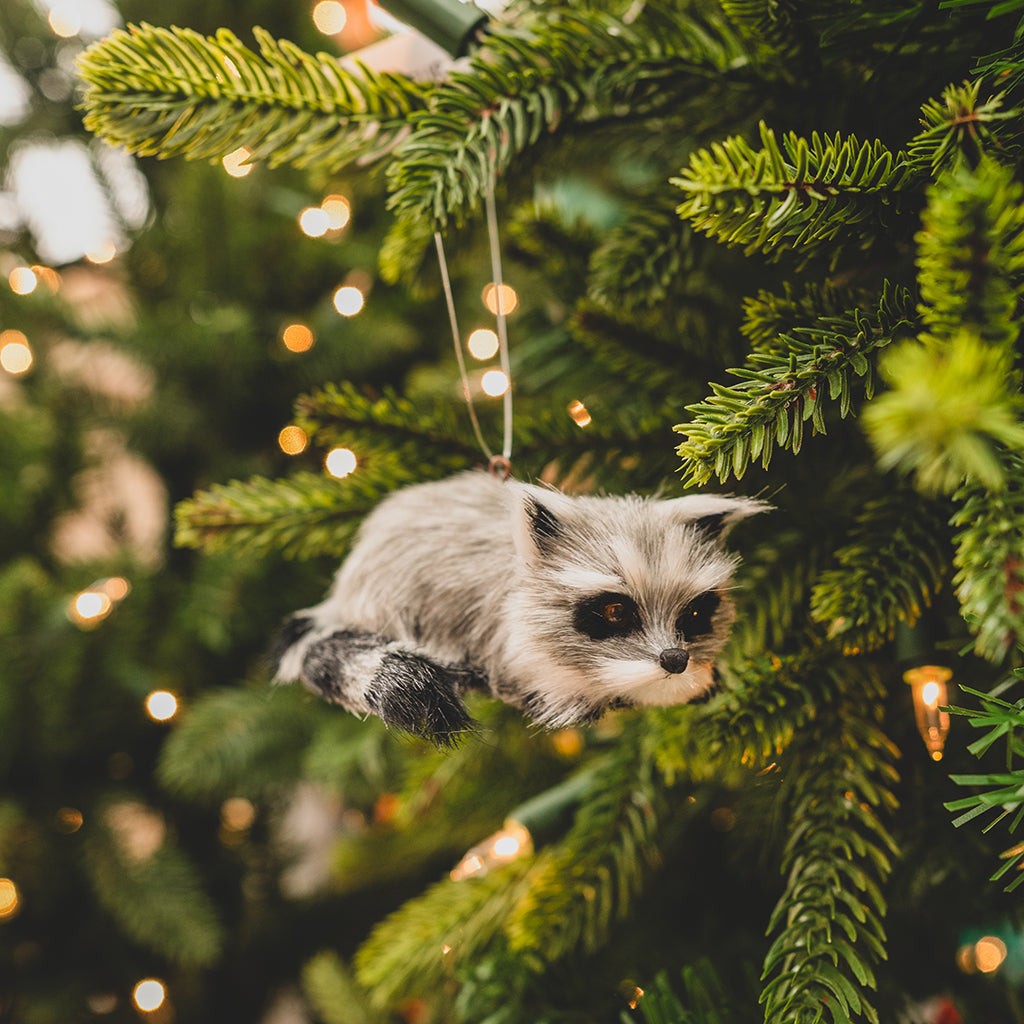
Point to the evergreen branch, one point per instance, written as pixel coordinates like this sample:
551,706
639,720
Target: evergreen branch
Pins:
948,413
435,434
1002,793
581,886
632,348
893,563
642,261
829,921
781,390
417,949
771,27
971,252
335,996
705,999
534,78
958,127
990,578
766,701
173,92
801,195
767,318
303,516
239,741
149,887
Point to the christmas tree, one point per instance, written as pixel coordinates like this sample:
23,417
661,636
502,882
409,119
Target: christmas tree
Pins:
764,248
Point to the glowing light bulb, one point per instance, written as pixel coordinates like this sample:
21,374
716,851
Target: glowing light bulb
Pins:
338,210
149,995
15,354
340,462
235,162
65,20
103,253
500,298
69,819
494,383
23,280
89,607
116,588
348,300
329,16
314,221
237,814
482,343
989,953
161,705
10,899
512,841
297,338
928,686
293,440
579,414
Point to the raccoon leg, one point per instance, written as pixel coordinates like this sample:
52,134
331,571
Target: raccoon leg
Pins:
364,671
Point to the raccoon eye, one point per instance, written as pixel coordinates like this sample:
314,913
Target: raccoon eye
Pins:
607,615
695,619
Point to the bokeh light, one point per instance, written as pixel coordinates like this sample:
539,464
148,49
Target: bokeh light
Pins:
314,221
494,383
235,162
340,462
149,995
10,899
15,353
23,280
482,343
501,298
293,440
161,705
330,17
338,210
297,338
348,300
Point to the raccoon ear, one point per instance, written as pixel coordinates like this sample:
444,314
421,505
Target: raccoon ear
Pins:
538,521
712,514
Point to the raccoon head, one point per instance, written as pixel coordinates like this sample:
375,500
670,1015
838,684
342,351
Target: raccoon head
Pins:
618,600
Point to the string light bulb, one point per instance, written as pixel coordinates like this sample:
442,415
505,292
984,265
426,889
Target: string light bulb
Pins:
161,705
149,995
511,841
89,607
928,686
579,414
236,162
10,899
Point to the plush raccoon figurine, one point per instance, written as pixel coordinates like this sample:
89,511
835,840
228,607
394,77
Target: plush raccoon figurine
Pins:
562,606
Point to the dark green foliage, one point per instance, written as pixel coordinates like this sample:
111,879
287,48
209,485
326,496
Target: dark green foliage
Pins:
798,196
998,792
895,559
829,924
793,382
990,577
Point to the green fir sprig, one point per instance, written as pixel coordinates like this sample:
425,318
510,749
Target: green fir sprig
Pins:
174,92
895,559
1001,793
808,370
800,195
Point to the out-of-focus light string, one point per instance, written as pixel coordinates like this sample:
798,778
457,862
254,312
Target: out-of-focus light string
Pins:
492,234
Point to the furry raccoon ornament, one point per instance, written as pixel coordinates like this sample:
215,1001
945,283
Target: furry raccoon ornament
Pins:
562,606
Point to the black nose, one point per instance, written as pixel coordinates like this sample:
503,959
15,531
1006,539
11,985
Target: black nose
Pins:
674,660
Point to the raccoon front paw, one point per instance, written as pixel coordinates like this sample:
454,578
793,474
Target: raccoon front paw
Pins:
413,693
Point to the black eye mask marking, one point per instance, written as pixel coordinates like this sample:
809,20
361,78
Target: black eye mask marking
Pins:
607,615
695,619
